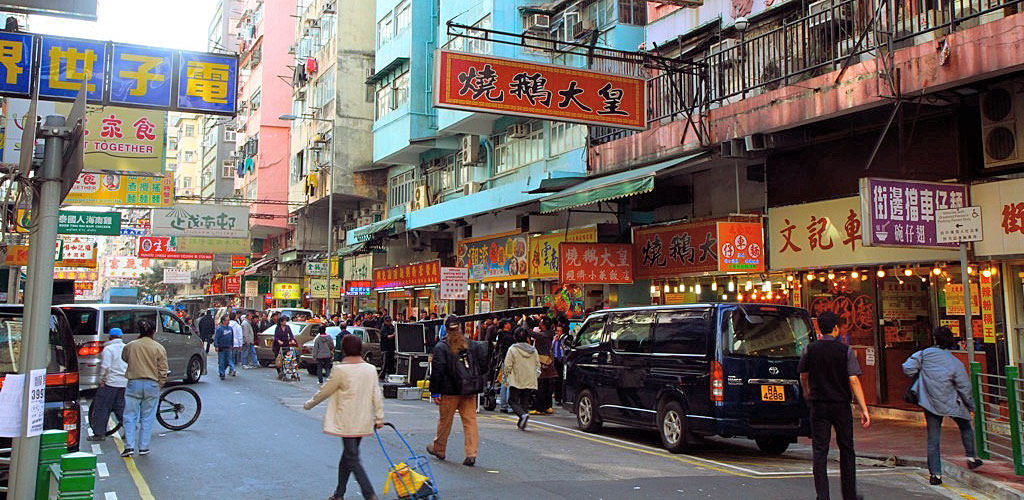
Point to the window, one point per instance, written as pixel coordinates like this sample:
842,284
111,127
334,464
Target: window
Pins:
631,332
392,94
400,188
633,12
251,191
127,321
599,14
190,130
172,143
227,169
172,166
511,153
766,331
591,332
229,135
385,30
82,320
684,332
11,327
190,156
475,45
186,182
445,174
566,137
170,324
255,100
403,17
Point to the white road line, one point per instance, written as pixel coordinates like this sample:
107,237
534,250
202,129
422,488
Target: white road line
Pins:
101,469
110,495
97,449
745,470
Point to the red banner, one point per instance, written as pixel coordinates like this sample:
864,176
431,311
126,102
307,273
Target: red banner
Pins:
239,261
595,263
669,251
418,274
162,247
232,284
741,247
503,86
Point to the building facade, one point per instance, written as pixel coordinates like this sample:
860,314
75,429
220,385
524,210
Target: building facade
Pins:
218,145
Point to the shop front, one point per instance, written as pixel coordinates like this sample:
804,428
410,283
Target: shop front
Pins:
593,276
888,298
357,272
544,287
408,290
498,271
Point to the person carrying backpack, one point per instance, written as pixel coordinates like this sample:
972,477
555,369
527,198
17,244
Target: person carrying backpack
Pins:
323,353
458,369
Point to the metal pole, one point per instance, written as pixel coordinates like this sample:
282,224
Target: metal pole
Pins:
330,223
13,280
38,299
966,280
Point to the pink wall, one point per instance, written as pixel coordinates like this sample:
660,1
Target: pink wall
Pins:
923,69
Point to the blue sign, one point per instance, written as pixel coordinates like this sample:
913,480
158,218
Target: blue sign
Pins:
65,64
15,63
133,231
141,75
206,82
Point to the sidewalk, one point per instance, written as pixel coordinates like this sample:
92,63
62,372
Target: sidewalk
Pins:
906,441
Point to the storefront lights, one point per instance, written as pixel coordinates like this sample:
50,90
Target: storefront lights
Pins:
665,288
908,272
987,273
750,285
854,274
732,286
725,297
714,286
936,270
810,276
970,270
789,278
831,275
880,273
654,290
696,289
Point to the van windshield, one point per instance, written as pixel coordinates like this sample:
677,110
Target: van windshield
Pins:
767,331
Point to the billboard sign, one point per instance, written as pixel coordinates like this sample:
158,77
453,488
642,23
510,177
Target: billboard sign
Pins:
596,263
901,213
163,247
121,190
221,221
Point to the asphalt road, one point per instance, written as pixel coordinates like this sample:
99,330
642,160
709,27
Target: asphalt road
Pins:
254,441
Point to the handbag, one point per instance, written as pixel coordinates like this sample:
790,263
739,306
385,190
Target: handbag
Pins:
279,361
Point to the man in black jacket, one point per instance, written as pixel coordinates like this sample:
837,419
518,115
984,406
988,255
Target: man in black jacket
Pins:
457,371
387,347
206,329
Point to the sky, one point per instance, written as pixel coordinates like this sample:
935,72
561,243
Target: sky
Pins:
176,24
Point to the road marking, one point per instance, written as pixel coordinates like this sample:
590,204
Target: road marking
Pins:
959,492
101,469
97,449
724,467
110,495
129,463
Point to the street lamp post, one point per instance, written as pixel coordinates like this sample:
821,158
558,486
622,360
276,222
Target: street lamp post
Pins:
330,199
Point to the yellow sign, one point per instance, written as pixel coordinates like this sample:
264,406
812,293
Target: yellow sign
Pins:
113,189
952,324
318,288
544,249
287,291
125,139
198,244
988,311
955,300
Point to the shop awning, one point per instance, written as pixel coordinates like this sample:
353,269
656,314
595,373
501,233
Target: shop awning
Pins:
359,248
362,234
386,70
255,267
611,187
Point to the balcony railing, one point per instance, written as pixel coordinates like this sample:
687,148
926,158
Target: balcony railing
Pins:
833,35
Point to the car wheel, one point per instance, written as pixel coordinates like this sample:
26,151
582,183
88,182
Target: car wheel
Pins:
586,412
194,370
772,446
672,427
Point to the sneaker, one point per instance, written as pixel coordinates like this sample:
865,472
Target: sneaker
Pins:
127,452
935,480
549,411
222,377
97,438
234,373
523,419
974,463
535,412
144,452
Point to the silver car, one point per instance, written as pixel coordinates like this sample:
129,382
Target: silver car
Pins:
90,324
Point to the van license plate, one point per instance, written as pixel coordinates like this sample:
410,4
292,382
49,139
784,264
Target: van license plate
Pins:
775,393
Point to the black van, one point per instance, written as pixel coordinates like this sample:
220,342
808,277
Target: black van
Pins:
692,370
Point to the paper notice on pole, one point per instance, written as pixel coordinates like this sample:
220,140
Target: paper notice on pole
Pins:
36,401
10,405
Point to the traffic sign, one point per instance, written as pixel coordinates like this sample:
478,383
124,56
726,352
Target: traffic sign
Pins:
958,225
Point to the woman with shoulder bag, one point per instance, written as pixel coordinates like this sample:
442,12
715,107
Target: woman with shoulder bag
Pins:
942,389
457,370
543,338
283,339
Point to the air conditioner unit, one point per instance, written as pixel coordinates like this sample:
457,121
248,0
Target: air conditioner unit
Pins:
1002,124
470,188
470,150
377,207
329,8
300,94
582,28
538,22
727,52
822,12
421,197
312,22
519,130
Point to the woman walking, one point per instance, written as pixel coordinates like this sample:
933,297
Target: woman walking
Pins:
543,338
943,390
522,364
283,339
354,410
457,371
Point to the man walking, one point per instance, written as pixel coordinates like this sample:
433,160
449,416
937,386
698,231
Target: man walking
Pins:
207,325
323,353
387,347
224,339
829,376
236,346
110,394
249,342
458,368
146,374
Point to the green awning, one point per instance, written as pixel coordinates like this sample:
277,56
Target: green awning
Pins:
358,248
610,187
366,232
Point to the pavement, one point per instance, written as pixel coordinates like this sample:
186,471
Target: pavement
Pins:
254,441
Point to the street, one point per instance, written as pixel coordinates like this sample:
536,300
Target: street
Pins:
254,440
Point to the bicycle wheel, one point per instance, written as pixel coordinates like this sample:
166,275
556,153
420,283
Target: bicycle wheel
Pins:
179,408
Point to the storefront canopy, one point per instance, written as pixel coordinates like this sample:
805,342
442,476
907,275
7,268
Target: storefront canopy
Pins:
368,231
611,187
256,267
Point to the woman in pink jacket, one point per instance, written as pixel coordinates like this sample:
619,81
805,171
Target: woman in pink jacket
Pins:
355,408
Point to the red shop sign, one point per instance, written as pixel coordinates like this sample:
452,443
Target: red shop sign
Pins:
504,86
232,284
418,274
163,247
668,251
595,263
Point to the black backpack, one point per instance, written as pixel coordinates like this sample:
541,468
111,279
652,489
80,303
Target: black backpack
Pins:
468,372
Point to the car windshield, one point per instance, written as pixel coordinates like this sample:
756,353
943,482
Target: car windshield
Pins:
82,320
766,331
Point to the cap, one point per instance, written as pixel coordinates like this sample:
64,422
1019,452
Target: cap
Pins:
115,332
452,321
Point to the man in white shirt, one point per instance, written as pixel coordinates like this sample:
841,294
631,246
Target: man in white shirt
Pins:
236,349
110,394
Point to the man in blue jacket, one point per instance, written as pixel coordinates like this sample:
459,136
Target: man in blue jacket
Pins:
224,340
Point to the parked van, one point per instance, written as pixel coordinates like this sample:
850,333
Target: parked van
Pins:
61,407
90,324
693,370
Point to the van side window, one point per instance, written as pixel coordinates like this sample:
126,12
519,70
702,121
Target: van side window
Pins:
591,331
683,332
144,315
631,332
119,319
170,323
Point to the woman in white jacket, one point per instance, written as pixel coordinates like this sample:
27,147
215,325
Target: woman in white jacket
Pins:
354,409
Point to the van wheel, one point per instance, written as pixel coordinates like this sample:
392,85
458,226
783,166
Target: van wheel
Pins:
586,413
672,427
772,446
194,370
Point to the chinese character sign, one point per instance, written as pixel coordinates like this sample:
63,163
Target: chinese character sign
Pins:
15,64
418,274
670,250
222,221
207,82
595,263
318,288
177,276
141,76
287,291
454,283
740,247
232,284
67,65
494,257
544,249
498,85
1002,207
828,234
76,222
901,213
163,247
358,268
122,190
127,266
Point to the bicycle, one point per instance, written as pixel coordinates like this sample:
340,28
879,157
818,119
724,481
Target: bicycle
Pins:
181,402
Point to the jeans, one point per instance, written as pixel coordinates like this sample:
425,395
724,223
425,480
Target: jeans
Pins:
107,399
236,354
140,398
249,355
323,368
825,416
224,361
504,396
519,399
935,438
350,465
